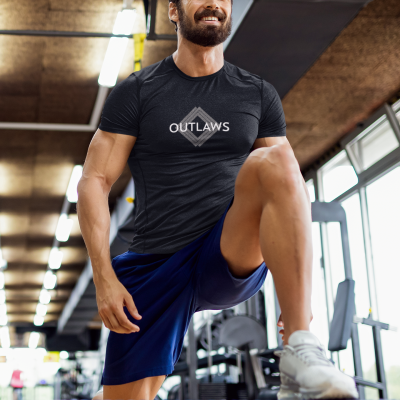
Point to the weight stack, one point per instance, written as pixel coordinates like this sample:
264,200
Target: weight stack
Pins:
223,391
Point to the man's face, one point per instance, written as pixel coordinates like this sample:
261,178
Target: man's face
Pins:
193,27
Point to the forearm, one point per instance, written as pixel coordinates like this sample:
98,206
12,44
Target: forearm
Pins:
94,221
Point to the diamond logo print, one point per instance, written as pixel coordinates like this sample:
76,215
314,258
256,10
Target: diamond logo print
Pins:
200,113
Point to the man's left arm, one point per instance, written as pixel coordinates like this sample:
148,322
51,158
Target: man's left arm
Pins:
270,141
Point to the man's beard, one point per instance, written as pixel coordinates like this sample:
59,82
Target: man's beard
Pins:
203,35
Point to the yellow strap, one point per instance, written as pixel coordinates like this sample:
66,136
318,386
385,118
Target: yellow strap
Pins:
138,42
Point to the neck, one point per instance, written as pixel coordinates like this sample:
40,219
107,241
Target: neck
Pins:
195,60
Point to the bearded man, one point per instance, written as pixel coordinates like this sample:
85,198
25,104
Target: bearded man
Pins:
219,198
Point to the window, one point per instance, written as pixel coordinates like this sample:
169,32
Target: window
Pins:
311,189
371,145
396,109
338,176
334,264
319,324
362,293
383,198
373,219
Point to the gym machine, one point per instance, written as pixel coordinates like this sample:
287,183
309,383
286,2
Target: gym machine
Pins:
244,334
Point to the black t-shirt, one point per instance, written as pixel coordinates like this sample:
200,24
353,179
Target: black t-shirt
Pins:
193,135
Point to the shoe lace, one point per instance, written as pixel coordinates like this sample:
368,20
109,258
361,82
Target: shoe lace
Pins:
312,354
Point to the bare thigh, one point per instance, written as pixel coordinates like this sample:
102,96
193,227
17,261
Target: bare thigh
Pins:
143,389
240,242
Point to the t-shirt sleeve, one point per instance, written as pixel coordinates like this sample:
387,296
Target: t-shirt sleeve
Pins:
121,109
272,121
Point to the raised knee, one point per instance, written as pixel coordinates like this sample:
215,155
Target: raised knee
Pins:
276,165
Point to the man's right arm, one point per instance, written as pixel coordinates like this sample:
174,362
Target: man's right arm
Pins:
105,160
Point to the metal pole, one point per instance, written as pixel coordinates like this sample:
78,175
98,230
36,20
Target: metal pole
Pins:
346,249
209,343
368,254
380,370
192,362
61,34
354,328
357,358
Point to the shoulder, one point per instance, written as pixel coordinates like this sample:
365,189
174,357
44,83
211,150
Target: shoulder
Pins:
137,78
151,71
242,75
265,87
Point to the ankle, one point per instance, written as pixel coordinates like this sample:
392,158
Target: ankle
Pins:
288,333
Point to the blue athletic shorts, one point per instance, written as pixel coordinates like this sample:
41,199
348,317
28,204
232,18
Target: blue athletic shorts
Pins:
167,289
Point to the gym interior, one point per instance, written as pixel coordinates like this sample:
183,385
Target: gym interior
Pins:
335,65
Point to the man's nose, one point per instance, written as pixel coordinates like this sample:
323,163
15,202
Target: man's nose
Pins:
212,4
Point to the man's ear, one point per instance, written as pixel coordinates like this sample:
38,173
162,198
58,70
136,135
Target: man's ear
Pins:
174,13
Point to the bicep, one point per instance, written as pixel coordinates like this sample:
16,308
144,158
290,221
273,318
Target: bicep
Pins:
107,156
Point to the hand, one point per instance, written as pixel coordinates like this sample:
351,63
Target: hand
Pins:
112,297
281,324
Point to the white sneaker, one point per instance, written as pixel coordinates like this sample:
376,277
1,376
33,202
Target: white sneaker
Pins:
307,373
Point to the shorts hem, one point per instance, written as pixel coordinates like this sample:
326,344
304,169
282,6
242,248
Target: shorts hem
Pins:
121,380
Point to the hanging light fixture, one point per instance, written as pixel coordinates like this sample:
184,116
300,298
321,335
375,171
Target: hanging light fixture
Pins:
116,47
50,280
38,320
44,297
5,337
55,258
34,340
72,192
64,227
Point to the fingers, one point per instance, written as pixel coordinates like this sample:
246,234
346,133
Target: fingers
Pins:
106,321
280,321
130,305
115,319
124,322
111,299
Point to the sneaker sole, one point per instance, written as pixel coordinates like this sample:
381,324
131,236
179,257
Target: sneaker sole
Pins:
290,390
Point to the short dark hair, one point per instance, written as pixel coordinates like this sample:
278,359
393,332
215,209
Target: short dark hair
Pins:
177,2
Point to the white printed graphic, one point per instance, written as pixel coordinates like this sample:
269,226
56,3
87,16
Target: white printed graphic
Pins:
211,126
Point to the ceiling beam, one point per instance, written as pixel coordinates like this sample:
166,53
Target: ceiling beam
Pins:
23,301
29,313
41,126
21,32
14,267
33,286
36,242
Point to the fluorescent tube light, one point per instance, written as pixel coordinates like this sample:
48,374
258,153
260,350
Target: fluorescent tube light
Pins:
5,337
55,258
3,319
50,280
44,297
72,192
38,320
116,48
41,309
64,227
2,296
3,263
34,340
1,280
